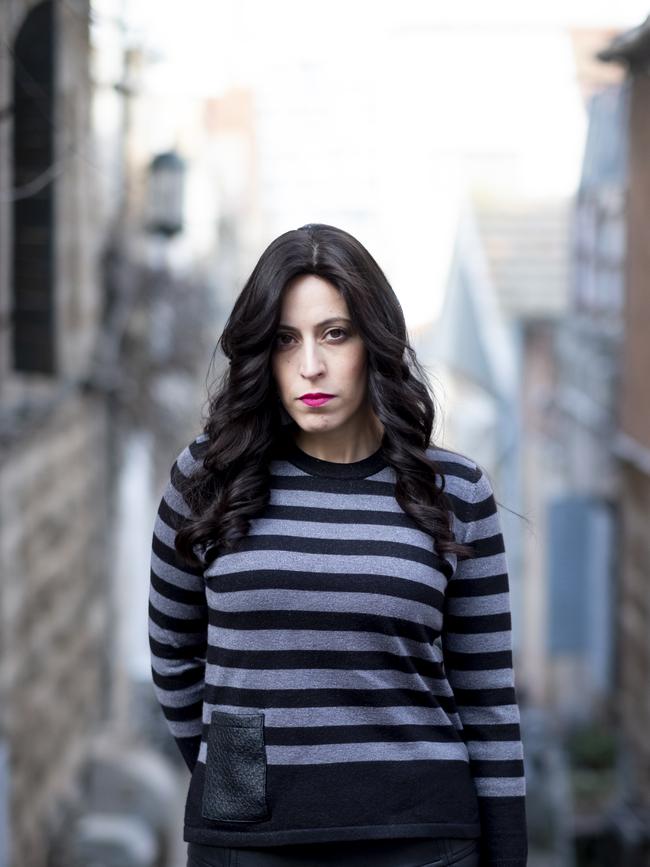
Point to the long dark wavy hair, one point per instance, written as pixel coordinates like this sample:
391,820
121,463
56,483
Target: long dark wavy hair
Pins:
245,423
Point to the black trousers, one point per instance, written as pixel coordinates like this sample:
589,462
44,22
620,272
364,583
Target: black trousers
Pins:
403,852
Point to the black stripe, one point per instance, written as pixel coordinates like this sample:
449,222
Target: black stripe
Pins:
323,620
355,660
175,593
486,586
173,651
170,516
468,512
189,677
342,547
170,557
385,585
332,697
348,734
176,624
489,546
178,479
501,768
478,661
450,468
492,732
481,623
198,450
485,697
377,517
325,485
188,713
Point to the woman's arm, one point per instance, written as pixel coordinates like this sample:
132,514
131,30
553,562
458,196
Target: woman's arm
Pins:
477,647
178,619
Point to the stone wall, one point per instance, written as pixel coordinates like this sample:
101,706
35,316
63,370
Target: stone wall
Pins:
55,482
54,681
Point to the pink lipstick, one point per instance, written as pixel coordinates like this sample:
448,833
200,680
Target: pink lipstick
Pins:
316,399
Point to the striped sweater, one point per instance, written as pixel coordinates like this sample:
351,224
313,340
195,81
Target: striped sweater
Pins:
333,678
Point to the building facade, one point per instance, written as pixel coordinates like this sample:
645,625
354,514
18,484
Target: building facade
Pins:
632,448
54,467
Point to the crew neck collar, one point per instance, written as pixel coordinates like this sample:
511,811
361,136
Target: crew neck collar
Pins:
332,469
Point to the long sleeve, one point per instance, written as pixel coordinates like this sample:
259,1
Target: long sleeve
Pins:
477,648
177,619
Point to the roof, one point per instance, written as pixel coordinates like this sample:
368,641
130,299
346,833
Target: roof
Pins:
631,47
526,245
510,262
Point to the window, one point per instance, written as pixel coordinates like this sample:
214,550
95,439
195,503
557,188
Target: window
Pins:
33,150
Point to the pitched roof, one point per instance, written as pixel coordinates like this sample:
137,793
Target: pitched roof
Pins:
527,248
631,48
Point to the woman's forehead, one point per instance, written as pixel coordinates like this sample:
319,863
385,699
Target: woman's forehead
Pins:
312,298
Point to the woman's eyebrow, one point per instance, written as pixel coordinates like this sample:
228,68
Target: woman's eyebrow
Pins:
319,324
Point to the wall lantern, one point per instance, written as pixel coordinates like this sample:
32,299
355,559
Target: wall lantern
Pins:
165,194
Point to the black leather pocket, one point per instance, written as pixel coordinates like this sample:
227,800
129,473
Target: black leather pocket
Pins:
235,769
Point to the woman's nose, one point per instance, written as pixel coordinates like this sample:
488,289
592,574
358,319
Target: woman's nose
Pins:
311,361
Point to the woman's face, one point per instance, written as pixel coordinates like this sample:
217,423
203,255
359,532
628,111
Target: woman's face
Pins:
317,351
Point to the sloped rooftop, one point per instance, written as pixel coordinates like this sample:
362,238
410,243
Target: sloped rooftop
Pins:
527,247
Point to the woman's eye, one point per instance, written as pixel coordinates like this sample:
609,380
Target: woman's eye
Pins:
338,335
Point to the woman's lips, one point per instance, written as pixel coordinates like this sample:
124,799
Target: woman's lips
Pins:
316,401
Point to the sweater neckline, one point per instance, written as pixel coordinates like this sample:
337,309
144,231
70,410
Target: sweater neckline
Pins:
333,469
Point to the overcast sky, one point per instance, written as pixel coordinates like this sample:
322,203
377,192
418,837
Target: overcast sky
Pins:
226,40
373,103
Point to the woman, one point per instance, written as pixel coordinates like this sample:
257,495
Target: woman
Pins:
329,603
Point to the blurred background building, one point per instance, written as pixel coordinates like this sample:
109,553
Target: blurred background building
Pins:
110,304
56,606
493,161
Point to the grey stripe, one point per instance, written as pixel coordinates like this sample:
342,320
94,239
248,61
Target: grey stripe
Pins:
164,532
463,489
312,639
340,564
318,600
168,667
503,713
297,528
440,454
306,754
175,501
180,698
482,566
495,603
497,750
186,463
486,678
170,636
184,729
394,751
327,500
174,575
323,678
173,608
291,717
483,527
493,786
482,642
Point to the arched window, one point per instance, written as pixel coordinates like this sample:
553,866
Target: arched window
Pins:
33,314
